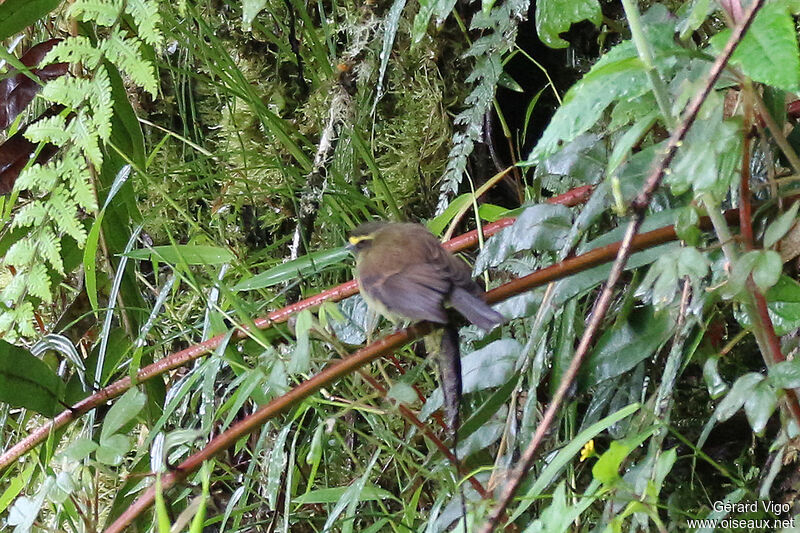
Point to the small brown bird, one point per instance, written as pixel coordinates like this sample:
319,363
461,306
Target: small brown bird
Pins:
404,273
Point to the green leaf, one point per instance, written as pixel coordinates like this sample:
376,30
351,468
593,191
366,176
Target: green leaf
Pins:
606,469
566,454
491,366
769,51
767,269
79,449
302,266
332,495
764,265
539,227
126,131
301,357
123,411
663,278
760,405
786,374
783,303
556,16
780,226
714,383
251,8
427,9
16,15
189,254
26,381
740,392
113,449
619,76
623,346
437,225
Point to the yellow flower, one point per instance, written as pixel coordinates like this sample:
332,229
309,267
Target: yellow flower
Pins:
588,450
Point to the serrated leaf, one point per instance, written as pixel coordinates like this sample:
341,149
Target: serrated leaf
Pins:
769,51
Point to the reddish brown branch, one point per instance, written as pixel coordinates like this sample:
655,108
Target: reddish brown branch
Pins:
178,359
640,205
385,346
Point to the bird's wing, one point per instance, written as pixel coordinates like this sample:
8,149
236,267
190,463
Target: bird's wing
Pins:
416,292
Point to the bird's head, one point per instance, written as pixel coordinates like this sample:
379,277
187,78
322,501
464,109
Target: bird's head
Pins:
363,236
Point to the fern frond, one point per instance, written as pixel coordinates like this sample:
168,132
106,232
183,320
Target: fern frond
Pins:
71,92
19,255
32,214
77,49
102,104
50,129
501,27
104,13
145,14
65,215
49,247
125,53
16,287
39,282
38,178
84,135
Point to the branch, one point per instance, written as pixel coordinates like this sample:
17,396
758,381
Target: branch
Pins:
178,359
640,204
386,346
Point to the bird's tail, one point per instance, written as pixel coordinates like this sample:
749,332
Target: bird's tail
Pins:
475,309
449,359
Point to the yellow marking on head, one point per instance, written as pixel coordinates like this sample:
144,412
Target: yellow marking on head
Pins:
355,239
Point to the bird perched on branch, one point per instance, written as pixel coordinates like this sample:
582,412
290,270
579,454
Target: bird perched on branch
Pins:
404,273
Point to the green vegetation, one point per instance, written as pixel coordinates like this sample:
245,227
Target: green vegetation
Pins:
172,173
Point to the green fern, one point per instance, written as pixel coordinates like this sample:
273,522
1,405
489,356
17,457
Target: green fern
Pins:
61,192
500,26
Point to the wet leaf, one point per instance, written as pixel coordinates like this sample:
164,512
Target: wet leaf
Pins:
786,374
714,383
539,227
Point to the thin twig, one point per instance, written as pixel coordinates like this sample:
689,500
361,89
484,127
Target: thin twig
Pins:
640,204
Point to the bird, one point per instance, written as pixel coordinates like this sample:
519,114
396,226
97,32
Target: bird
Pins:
404,273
